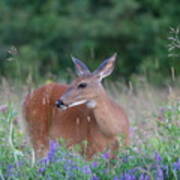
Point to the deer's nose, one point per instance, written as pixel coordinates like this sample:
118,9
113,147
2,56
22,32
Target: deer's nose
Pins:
60,103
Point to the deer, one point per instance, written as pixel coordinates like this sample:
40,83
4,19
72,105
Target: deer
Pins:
80,111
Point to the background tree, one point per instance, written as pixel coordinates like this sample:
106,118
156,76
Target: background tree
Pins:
47,32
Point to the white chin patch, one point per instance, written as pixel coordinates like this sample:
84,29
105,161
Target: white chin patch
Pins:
91,104
64,108
78,103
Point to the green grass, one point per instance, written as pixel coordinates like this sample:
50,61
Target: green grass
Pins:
154,152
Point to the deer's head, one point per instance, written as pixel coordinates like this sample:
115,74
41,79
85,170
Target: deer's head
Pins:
87,87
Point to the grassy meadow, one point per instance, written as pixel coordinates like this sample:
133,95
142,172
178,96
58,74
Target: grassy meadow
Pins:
154,153
37,39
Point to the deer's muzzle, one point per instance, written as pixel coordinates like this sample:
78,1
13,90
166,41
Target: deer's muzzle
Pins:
60,104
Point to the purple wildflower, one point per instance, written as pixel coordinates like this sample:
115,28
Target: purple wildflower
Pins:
10,170
45,161
69,165
127,176
86,170
95,178
11,166
52,150
41,170
157,157
106,155
160,175
95,164
51,154
176,165
144,177
116,178
75,167
19,163
132,171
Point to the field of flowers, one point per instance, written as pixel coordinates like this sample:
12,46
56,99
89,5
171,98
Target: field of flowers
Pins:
153,154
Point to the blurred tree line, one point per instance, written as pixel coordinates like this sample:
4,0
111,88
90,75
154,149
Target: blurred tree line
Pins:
47,32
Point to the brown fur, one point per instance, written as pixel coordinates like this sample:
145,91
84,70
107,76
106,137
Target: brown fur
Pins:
45,121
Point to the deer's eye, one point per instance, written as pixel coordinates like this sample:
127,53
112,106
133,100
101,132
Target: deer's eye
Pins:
82,85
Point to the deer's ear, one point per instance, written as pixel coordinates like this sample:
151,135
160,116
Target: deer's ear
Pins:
106,68
81,68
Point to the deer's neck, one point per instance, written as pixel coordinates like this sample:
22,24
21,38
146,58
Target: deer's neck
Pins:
107,115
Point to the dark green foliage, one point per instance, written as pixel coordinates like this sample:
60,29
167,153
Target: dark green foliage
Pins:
47,32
